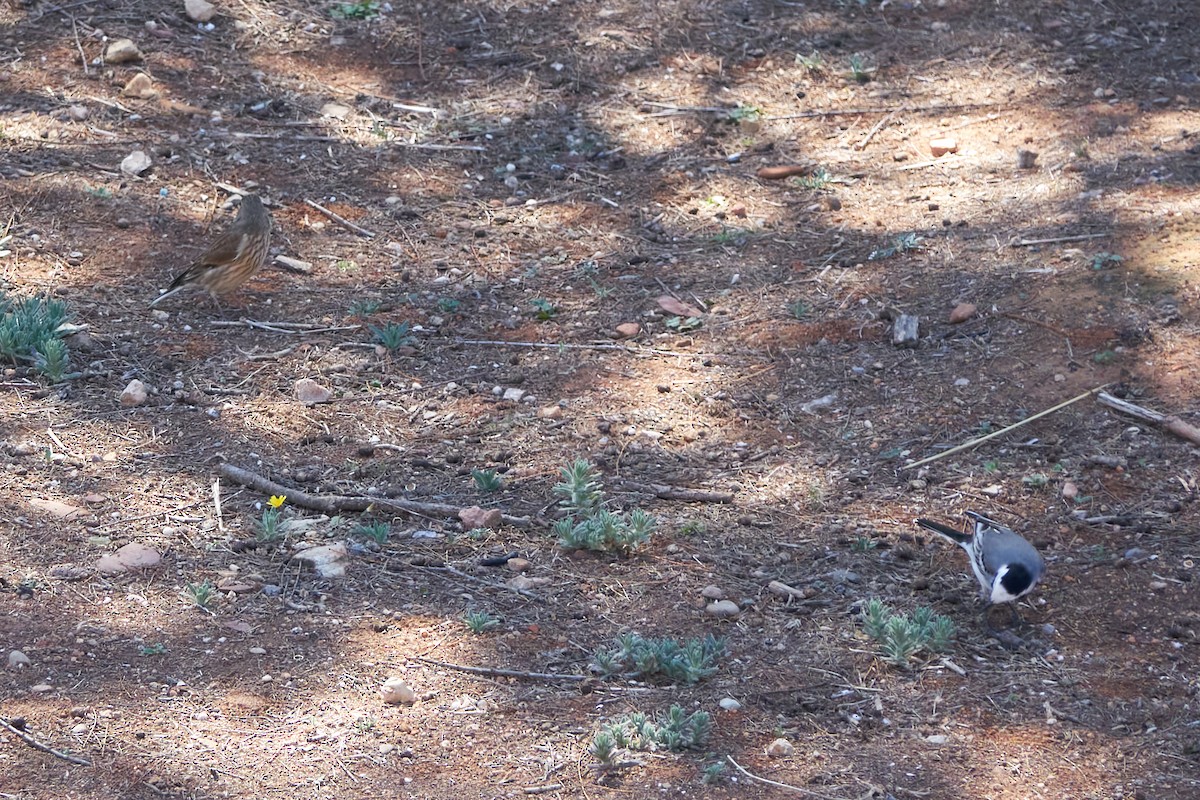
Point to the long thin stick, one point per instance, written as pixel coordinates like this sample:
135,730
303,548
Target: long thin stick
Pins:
333,503
496,672
45,748
770,782
1014,426
361,231
1076,238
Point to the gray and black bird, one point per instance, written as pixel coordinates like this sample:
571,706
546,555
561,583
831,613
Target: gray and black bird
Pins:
1006,565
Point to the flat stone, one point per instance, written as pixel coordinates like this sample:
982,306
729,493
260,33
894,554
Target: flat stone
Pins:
310,393
325,559
56,508
121,51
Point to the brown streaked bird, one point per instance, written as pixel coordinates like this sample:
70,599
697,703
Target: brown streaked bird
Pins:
233,258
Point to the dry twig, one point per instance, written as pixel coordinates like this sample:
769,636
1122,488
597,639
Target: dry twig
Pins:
1002,431
45,748
334,503
496,672
345,223
1172,423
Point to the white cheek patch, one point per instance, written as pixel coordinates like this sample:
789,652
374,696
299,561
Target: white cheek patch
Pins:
999,593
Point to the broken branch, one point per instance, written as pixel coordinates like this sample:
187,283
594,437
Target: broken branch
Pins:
334,503
1172,423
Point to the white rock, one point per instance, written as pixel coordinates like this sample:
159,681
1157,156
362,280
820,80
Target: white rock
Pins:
722,609
780,748
122,50
729,704
712,592
136,163
335,110
937,738
199,10
310,392
326,559
514,394
78,113
134,394
396,692
18,660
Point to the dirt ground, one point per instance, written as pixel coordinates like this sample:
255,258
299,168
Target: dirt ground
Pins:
514,181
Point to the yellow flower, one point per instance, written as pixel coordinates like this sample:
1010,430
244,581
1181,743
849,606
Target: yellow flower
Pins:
276,500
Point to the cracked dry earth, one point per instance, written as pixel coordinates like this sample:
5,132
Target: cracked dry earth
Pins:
565,204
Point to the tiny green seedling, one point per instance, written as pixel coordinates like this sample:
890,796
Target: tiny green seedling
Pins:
487,480
392,336
364,308
544,309
480,621
819,179
377,531
798,308
859,72
201,595
1104,260
448,305
156,649
813,62
900,244
360,10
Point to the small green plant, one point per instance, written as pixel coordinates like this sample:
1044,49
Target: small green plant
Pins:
863,544
448,305
1035,481
682,324
1105,357
544,309
902,637
647,657
819,180
589,526
29,331
359,9
728,235
745,113
479,621
365,724
859,72
603,747
268,525
813,62
486,480
201,595
1104,260
798,309
377,531
392,336
100,193
156,649
345,265
900,244
674,731
713,773
364,308
991,466
693,527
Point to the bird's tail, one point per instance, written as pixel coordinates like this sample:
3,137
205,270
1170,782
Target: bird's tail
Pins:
165,295
945,531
